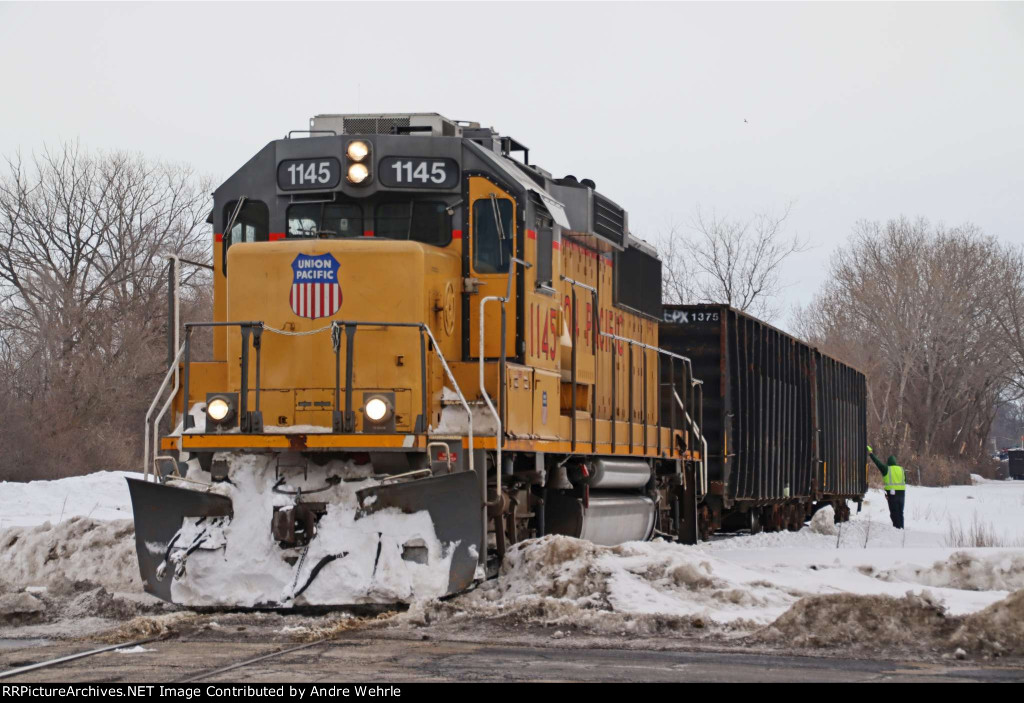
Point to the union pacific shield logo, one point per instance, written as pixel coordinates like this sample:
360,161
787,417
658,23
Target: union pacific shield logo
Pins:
316,291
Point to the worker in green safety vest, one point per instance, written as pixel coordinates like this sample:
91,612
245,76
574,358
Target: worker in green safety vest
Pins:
895,487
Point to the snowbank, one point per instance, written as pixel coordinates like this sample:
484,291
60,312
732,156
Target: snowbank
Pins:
101,496
78,549
636,587
1002,571
913,622
747,580
851,621
734,582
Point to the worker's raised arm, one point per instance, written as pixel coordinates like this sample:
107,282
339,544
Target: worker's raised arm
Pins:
881,466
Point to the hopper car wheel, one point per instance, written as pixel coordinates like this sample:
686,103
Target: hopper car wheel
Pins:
794,517
704,523
755,522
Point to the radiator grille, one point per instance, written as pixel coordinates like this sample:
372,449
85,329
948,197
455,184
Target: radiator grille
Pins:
374,125
609,220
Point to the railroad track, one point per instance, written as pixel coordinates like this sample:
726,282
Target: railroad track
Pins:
134,643
72,657
253,660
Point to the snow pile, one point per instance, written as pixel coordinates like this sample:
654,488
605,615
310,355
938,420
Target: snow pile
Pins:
236,561
913,622
15,606
102,496
997,629
79,549
637,587
824,522
861,622
1002,571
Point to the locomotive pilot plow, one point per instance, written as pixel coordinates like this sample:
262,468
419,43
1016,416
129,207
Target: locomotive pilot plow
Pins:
394,543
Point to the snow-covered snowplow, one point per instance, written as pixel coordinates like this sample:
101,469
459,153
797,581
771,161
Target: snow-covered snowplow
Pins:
423,350
351,540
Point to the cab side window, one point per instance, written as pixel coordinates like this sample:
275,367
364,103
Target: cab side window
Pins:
251,225
491,252
545,238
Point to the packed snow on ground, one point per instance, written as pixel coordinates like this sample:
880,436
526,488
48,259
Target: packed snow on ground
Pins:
735,582
744,581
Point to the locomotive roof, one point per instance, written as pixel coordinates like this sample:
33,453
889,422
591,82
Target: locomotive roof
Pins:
574,205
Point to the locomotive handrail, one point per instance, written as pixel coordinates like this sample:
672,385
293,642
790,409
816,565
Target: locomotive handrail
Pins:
694,383
574,284
499,436
172,371
257,327
245,417
173,335
703,448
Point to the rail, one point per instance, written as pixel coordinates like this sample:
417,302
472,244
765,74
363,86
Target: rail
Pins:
79,655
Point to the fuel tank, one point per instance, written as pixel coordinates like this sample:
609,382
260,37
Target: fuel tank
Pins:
608,518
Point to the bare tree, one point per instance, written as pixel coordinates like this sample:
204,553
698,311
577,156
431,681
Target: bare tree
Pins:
1011,319
919,309
82,321
728,260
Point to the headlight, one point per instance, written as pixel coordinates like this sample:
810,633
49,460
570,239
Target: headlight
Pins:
218,409
221,411
357,151
376,409
357,173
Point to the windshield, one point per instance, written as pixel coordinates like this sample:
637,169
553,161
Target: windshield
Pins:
424,221
325,220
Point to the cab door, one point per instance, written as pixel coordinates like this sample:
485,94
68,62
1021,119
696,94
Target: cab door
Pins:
492,244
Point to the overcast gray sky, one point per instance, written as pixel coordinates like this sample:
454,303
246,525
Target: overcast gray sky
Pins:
853,110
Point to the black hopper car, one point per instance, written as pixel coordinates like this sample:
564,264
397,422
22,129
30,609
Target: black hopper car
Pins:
785,425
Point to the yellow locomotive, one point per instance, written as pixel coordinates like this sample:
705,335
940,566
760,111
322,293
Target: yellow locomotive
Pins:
425,348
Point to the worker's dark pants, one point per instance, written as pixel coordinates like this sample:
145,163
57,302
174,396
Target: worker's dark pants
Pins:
896,500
